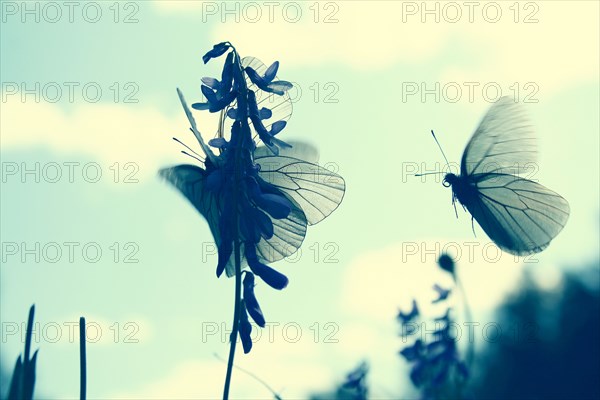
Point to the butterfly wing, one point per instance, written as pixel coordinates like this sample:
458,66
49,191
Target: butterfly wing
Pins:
519,215
288,235
317,190
503,141
190,181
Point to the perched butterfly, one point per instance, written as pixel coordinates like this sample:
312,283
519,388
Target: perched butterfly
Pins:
313,191
519,215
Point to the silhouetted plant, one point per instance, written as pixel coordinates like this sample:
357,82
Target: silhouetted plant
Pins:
437,368
257,201
82,360
23,380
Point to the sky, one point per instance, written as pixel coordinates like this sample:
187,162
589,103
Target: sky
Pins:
88,110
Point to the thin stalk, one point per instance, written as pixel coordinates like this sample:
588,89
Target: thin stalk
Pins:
242,115
82,360
236,319
237,255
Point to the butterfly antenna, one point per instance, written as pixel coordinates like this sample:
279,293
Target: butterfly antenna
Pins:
440,146
187,147
445,158
431,173
194,157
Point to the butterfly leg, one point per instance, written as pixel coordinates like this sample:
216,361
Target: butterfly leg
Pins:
473,226
454,204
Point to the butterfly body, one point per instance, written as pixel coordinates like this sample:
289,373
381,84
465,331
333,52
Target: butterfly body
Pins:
520,215
462,189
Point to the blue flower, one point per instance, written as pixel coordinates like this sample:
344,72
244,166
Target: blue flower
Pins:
245,329
219,94
355,386
406,318
254,219
442,293
266,83
217,50
250,299
216,100
446,263
271,277
414,352
437,369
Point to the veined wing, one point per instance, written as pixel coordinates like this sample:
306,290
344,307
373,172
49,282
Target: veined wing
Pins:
519,215
317,190
503,142
288,233
190,181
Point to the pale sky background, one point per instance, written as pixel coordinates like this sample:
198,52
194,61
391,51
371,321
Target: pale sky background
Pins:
385,237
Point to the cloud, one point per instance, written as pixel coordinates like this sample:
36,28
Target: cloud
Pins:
379,282
100,330
174,6
106,133
290,369
480,46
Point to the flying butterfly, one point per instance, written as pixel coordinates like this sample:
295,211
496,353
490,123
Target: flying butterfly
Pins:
521,216
314,191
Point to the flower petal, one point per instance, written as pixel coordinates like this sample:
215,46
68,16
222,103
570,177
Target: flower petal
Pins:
271,71
245,329
211,82
227,74
251,301
255,78
446,263
265,113
278,87
232,113
219,143
271,277
209,94
408,317
277,127
201,106
442,293
216,51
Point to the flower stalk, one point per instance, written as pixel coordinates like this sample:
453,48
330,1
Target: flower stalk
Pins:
256,216
236,319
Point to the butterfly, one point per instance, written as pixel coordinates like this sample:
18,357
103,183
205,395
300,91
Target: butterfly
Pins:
521,216
314,191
